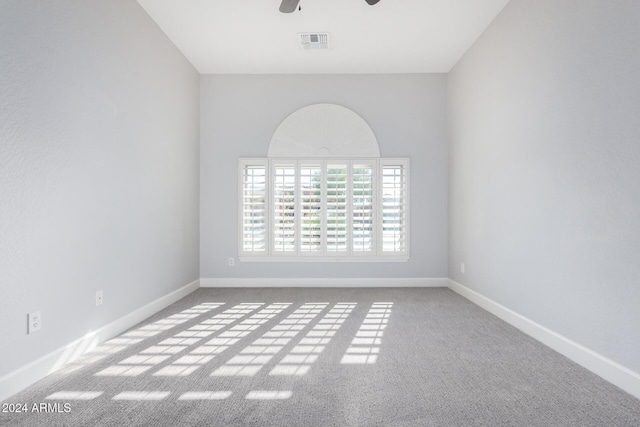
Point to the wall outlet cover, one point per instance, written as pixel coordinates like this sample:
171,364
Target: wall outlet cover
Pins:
34,322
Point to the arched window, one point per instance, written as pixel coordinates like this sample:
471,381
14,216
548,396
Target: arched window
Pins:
324,193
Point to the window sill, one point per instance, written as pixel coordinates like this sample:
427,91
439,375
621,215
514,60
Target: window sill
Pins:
323,259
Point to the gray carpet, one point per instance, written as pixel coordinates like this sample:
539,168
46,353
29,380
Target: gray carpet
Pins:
323,357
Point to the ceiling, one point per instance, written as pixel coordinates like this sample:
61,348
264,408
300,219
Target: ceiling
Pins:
253,37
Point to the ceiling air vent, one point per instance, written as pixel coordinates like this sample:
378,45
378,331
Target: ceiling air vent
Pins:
314,41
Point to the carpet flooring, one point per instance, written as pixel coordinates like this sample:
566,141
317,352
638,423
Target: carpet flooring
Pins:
322,357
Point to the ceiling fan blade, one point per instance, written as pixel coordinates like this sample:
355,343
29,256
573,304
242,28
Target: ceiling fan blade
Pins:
288,6
371,2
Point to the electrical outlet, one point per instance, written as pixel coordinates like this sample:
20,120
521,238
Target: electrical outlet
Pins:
99,298
462,267
232,262
34,322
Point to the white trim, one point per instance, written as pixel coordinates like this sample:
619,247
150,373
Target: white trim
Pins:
15,381
376,251
329,282
611,371
327,258
323,130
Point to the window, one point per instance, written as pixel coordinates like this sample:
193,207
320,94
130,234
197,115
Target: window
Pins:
324,209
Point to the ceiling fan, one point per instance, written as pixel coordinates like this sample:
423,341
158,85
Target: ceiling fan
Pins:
288,6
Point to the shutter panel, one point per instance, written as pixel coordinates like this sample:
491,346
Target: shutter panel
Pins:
253,210
362,239
395,207
336,207
284,208
311,208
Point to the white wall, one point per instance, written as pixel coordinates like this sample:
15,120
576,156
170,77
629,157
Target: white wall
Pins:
544,137
238,117
99,158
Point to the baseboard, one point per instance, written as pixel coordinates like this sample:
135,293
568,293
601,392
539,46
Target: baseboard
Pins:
611,371
407,282
23,377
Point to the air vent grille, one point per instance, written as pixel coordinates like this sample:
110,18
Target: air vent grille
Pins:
314,41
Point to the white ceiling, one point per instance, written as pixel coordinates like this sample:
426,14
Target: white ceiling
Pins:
253,37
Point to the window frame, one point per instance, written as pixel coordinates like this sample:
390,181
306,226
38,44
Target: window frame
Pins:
377,254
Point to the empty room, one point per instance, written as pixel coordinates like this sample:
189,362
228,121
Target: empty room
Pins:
319,213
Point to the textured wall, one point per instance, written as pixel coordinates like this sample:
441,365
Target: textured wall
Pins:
98,169
544,136
406,112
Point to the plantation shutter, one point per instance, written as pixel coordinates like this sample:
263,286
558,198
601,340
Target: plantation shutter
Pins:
395,209
284,208
311,208
336,196
324,209
362,208
253,211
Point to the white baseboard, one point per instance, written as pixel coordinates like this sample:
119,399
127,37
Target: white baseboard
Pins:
611,371
23,377
234,282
